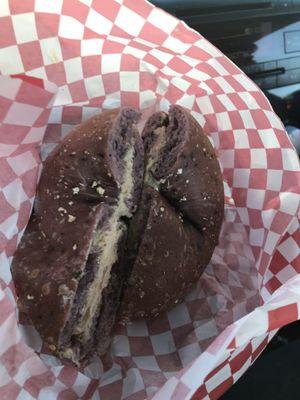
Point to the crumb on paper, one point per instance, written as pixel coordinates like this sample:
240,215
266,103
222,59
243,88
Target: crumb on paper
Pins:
53,56
179,171
74,246
62,210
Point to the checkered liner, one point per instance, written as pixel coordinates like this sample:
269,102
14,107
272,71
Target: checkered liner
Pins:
103,54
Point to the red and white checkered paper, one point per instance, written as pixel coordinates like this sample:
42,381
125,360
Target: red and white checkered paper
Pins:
64,60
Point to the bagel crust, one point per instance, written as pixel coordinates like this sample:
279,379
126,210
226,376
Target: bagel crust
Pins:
123,225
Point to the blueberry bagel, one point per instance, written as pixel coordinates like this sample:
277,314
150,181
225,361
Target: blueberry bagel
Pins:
123,225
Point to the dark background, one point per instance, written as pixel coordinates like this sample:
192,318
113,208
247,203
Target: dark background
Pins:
262,37
275,375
